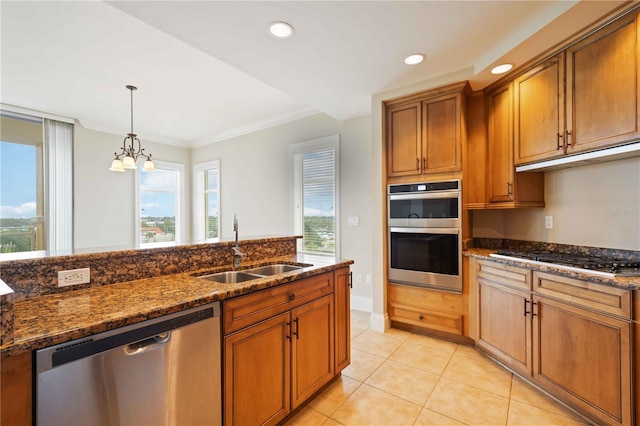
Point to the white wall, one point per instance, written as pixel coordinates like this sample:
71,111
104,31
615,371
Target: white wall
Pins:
594,205
104,201
254,183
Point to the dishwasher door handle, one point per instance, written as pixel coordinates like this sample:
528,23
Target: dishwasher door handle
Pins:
148,345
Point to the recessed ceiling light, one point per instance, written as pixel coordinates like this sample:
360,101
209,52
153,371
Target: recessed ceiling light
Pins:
414,59
501,69
280,29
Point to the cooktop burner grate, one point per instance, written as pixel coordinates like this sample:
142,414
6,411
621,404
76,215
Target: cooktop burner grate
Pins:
605,266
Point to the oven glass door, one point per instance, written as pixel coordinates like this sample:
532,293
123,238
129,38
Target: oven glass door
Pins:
424,210
426,257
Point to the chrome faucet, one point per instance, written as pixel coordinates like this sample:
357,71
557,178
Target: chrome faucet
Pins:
237,254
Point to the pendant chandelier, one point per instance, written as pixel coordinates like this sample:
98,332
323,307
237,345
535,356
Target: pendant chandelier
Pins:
131,149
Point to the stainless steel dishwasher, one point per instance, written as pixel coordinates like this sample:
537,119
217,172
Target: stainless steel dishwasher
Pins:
164,371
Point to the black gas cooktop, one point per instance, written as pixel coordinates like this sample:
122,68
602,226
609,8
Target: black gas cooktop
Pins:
608,267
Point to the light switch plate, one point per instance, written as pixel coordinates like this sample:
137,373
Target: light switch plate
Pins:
353,220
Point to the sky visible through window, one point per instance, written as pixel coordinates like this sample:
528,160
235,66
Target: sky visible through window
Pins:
18,180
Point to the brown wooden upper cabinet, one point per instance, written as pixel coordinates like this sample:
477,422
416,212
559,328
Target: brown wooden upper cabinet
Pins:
505,187
424,132
584,98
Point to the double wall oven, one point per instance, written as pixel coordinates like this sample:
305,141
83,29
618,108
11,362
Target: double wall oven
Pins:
425,234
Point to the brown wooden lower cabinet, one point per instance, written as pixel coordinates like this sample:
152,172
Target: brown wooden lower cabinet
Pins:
274,365
570,337
16,390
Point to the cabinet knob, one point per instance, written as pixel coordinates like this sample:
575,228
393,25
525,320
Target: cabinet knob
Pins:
421,317
292,296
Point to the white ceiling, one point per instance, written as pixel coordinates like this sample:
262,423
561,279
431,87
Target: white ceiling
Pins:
208,70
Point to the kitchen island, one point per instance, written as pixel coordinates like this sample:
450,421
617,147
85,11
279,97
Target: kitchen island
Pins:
44,316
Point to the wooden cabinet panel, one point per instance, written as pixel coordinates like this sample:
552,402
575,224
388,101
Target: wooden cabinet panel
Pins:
539,112
441,143
505,325
584,358
16,390
500,144
313,348
242,311
603,87
258,359
505,187
611,300
511,276
342,306
403,140
417,308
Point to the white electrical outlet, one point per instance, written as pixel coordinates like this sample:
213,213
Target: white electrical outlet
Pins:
353,220
548,222
359,278
368,279
73,277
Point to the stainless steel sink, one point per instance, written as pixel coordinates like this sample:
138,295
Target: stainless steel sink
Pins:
231,277
273,269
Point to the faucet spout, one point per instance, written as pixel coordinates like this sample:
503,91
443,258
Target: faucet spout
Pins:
237,254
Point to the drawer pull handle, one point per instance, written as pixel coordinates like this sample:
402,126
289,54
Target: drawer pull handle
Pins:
525,307
289,325
292,296
421,317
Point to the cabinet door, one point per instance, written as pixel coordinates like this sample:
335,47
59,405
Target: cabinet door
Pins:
343,318
258,372
500,144
505,325
403,140
441,135
603,87
312,350
539,112
583,358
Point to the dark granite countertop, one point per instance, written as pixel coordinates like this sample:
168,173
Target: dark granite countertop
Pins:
631,283
56,318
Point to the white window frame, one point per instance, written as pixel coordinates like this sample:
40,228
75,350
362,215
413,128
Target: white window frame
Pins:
180,201
198,200
332,142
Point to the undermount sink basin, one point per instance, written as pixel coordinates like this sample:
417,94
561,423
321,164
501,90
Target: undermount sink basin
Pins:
230,277
273,269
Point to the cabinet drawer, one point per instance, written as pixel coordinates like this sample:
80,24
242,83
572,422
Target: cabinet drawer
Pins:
504,274
245,310
599,297
435,320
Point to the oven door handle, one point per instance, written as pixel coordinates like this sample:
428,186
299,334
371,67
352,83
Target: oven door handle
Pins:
450,231
425,195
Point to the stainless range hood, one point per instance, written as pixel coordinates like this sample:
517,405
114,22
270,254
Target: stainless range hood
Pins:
602,155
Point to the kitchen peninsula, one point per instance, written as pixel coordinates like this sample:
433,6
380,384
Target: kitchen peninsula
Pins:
131,286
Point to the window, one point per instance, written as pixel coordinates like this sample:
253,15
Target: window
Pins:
314,183
160,205
36,162
206,215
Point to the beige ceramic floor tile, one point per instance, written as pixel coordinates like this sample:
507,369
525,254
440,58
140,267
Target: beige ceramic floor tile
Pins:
396,333
432,342
362,365
333,396
403,381
480,372
422,357
307,417
523,392
370,406
521,414
360,319
468,404
331,422
468,351
356,331
431,418
376,343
